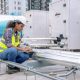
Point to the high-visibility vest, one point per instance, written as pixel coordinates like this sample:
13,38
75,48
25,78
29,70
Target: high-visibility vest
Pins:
15,42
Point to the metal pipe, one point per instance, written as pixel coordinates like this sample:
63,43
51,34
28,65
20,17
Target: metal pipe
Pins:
29,69
38,38
54,38
43,45
67,74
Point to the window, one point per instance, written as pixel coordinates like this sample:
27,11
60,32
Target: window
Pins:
19,3
15,7
7,13
26,9
19,8
7,8
15,2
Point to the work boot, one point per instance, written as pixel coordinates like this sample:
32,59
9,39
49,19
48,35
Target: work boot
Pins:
12,70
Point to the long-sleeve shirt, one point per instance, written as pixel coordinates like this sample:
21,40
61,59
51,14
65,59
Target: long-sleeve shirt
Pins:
8,36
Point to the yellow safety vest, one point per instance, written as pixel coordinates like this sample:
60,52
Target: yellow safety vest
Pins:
15,43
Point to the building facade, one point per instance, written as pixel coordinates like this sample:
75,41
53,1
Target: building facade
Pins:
38,4
13,7
19,7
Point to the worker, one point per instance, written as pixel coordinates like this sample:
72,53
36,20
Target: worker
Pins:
10,44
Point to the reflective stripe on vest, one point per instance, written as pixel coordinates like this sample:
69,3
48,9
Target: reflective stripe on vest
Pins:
1,50
15,43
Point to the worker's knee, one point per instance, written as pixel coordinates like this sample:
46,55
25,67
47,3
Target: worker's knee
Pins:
26,56
12,51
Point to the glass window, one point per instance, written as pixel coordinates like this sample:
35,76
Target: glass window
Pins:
19,3
14,2
15,7
19,8
7,8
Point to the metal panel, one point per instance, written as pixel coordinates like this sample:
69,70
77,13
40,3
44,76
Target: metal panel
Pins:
65,20
37,26
74,25
57,19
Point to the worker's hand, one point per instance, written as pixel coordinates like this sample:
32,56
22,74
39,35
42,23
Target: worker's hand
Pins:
27,49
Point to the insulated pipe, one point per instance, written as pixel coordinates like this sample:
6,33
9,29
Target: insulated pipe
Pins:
43,45
46,45
66,58
38,38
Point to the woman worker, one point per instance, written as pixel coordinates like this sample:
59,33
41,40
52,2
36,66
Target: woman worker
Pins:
9,45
